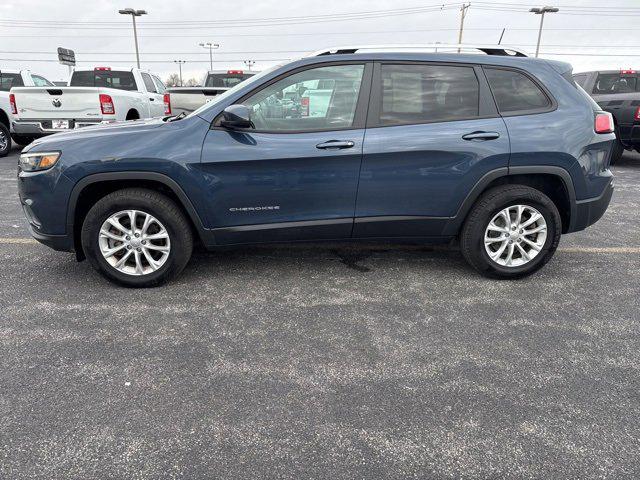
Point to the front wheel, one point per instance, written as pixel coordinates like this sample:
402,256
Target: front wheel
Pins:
137,238
511,232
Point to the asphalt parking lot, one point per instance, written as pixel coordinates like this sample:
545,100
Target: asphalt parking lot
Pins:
328,361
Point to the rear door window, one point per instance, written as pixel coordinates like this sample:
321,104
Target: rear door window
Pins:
611,83
427,93
516,92
148,83
161,86
8,80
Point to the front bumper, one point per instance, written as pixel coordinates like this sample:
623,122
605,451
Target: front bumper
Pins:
590,210
40,128
61,243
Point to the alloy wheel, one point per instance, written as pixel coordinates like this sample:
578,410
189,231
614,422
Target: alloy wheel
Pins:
134,242
515,236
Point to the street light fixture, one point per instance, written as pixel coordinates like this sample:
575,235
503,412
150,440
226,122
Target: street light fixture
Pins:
249,63
211,47
180,63
541,12
134,14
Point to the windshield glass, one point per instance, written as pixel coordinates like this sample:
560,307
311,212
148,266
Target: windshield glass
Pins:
222,97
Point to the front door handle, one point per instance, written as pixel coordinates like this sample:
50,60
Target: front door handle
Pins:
481,136
335,144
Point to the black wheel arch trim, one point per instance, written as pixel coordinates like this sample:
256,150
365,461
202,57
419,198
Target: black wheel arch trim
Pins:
456,222
205,235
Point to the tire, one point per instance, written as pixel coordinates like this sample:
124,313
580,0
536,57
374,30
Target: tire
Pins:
5,140
490,207
22,140
616,151
169,222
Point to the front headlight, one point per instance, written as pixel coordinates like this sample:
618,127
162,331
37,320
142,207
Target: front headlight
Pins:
33,162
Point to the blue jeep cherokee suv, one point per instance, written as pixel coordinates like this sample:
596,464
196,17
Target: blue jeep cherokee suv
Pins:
499,151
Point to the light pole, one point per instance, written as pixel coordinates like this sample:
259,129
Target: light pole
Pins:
180,63
134,14
211,47
541,12
249,63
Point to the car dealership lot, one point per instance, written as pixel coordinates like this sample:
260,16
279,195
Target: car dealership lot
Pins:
324,361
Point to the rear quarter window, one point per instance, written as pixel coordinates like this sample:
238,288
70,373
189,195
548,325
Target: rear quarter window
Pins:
516,92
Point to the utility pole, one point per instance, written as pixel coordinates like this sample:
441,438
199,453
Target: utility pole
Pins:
249,63
463,13
134,14
501,35
541,12
180,63
211,47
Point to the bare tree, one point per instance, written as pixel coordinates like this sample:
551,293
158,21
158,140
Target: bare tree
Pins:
173,80
192,82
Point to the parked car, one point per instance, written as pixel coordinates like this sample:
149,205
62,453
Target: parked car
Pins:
9,79
617,92
94,96
187,99
502,152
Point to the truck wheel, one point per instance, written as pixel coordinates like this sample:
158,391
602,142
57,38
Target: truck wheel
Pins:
616,151
511,232
5,140
22,140
137,237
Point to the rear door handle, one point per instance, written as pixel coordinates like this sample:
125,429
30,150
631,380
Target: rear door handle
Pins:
481,136
152,99
335,144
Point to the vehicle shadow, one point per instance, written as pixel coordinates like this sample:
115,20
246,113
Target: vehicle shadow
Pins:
629,160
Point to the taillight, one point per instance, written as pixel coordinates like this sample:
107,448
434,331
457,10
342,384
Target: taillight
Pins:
604,123
637,115
12,102
106,105
167,104
304,103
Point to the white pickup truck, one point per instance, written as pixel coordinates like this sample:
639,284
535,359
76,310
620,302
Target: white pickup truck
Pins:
94,96
9,79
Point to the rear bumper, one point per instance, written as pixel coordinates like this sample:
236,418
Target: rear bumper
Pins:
590,210
40,128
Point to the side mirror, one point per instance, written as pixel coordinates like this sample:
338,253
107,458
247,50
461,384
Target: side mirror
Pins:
236,116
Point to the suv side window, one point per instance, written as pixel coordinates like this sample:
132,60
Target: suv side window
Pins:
427,93
322,98
516,92
148,83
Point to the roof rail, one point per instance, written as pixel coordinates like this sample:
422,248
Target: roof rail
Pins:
500,50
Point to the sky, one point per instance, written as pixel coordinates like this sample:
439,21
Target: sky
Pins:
588,34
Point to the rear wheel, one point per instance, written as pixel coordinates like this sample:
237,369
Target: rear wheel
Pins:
5,140
137,237
511,232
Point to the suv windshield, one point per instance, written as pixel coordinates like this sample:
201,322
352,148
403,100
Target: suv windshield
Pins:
103,78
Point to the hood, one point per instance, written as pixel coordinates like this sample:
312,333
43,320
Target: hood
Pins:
100,130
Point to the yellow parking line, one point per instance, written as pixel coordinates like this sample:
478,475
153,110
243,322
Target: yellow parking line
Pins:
31,241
